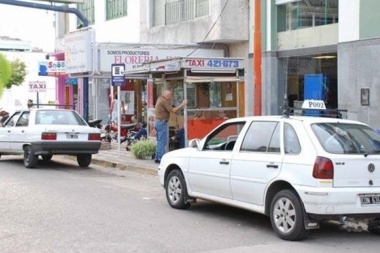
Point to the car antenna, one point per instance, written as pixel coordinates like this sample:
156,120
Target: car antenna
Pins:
285,107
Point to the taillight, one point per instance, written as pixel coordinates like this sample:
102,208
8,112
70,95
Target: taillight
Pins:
323,168
49,136
94,137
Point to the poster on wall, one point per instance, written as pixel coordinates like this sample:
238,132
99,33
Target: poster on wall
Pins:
128,97
151,128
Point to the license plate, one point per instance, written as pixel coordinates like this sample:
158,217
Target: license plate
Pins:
370,199
71,136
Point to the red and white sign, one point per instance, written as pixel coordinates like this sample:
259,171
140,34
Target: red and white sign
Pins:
37,86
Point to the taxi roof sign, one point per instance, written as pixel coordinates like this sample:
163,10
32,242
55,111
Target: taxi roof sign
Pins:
314,104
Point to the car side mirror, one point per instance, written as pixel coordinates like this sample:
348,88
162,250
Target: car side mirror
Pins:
194,143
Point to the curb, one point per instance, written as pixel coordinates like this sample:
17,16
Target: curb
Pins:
117,165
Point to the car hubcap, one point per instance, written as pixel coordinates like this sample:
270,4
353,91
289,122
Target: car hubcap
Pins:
284,215
174,189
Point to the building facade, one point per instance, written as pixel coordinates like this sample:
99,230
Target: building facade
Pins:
333,41
160,29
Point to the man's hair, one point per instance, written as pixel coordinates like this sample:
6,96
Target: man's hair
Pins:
165,93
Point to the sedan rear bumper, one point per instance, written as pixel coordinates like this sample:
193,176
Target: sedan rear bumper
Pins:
65,148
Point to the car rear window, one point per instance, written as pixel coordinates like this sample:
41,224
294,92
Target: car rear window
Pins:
342,138
58,117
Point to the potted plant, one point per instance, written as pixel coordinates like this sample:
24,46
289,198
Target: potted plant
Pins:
144,148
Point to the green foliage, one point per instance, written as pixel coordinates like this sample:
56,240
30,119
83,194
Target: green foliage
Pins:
143,149
18,73
5,72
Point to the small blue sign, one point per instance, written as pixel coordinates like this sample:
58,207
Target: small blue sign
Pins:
117,74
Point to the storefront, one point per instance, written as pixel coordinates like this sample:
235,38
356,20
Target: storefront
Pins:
214,88
134,90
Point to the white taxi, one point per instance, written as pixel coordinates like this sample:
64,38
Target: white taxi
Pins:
298,170
46,132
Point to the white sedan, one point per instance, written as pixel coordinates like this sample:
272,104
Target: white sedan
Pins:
47,132
298,171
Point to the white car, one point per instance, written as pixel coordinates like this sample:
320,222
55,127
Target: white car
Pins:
297,170
47,132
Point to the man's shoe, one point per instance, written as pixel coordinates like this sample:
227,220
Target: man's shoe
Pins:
157,161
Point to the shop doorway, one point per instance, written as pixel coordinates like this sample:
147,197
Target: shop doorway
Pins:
299,71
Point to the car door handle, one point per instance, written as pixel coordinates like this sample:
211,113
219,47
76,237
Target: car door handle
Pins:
271,165
224,162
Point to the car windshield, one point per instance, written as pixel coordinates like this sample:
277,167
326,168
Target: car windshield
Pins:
342,138
58,117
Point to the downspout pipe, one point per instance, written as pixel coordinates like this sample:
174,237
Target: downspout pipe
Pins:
64,9
257,91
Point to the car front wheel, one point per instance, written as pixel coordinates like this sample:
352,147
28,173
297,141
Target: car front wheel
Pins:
30,159
84,160
176,191
286,215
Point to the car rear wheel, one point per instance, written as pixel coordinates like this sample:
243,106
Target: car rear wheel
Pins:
30,159
176,191
286,215
46,157
84,160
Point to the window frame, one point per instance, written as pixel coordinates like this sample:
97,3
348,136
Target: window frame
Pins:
116,9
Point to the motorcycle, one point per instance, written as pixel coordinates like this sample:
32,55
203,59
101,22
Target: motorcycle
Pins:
111,132
95,123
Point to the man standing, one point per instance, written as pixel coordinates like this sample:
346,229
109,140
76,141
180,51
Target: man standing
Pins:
162,109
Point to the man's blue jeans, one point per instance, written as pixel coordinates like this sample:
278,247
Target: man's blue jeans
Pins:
162,138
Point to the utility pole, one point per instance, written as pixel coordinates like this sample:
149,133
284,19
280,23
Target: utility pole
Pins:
257,94
64,9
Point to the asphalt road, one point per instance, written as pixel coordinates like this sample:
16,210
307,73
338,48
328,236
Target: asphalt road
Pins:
59,207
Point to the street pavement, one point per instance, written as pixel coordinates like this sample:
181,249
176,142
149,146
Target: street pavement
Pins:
111,156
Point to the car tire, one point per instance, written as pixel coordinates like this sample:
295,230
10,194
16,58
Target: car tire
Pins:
176,191
84,160
287,216
46,157
30,159
374,227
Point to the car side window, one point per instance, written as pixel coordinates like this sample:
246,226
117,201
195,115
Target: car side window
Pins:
23,120
262,136
12,120
224,138
292,144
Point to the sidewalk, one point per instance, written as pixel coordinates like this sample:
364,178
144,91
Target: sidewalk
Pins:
110,156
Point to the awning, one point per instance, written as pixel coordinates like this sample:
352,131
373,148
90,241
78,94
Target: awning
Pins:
210,79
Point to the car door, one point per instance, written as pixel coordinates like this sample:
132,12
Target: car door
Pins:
257,161
5,132
18,132
209,168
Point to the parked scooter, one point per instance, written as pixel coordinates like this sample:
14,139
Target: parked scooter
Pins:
111,131
95,123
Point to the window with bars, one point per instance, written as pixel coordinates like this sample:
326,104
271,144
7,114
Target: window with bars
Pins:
87,8
116,9
167,12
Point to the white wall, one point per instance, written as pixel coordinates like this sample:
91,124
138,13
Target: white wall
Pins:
123,30
349,20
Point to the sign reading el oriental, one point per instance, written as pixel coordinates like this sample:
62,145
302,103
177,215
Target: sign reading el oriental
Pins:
134,58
